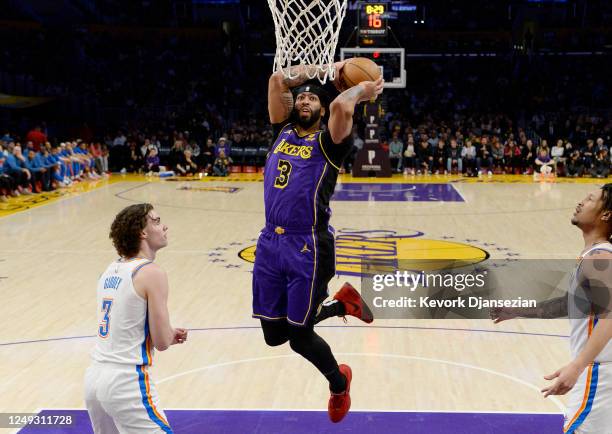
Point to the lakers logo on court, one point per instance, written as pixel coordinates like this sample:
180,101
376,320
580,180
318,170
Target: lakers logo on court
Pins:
385,248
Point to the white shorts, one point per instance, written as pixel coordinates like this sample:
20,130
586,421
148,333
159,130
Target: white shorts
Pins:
589,407
123,399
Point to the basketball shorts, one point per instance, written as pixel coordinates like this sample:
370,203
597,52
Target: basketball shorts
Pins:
291,273
589,406
123,399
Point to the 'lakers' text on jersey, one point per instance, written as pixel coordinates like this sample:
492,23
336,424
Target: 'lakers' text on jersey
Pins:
300,177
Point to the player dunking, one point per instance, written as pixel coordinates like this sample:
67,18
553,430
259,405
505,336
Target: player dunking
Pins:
133,318
588,377
295,255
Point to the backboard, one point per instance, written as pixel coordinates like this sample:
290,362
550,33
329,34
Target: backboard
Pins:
390,60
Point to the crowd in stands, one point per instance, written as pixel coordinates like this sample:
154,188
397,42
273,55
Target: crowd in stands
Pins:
425,152
37,166
186,110
469,145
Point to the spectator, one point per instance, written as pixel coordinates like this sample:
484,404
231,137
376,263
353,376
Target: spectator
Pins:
208,155
144,148
512,157
100,161
222,164
176,155
14,168
544,163
34,176
440,157
195,152
529,156
7,184
6,138
104,159
152,161
575,168
556,153
453,158
37,137
54,168
224,146
409,156
41,173
65,172
600,145
588,154
186,166
395,153
484,157
425,157
468,156
135,161
120,139
601,165
87,159
497,152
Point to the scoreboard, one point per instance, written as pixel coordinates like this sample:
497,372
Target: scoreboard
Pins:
373,20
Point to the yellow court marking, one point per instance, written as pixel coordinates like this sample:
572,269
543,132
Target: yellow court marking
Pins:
24,203
384,254
397,178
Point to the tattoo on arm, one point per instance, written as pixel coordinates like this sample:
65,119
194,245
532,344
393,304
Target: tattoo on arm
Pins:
554,308
351,95
287,101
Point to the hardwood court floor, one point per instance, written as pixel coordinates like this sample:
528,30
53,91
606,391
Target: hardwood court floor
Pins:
52,251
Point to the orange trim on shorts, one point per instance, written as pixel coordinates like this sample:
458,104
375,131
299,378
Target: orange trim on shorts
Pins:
591,323
146,378
584,399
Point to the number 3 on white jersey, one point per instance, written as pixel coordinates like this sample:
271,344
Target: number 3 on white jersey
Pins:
104,327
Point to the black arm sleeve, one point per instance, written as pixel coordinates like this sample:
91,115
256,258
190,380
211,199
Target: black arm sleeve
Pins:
276,128
336,153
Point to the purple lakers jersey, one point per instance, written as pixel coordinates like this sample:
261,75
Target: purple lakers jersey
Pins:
300,177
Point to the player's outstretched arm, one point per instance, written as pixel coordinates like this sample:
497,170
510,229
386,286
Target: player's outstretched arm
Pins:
280,98
553,308
154,283
342,108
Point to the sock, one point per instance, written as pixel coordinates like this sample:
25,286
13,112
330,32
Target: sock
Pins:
329,309
337,381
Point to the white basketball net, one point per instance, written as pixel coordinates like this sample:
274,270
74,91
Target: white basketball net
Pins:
307,34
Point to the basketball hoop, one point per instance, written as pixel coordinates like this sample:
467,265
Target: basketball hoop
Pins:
307,34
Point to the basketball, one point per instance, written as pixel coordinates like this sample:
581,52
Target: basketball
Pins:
358,69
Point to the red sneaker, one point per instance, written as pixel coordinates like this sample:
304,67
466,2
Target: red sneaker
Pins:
353,303
340,403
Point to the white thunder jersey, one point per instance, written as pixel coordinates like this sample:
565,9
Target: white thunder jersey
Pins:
589,403
581,323
123,326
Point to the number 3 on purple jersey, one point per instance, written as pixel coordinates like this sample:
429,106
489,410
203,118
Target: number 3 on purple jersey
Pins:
282,179
107,303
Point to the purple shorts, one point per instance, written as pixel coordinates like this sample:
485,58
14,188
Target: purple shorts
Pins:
291,273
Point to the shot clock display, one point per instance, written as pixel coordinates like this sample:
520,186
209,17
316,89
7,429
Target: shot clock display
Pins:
373,20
